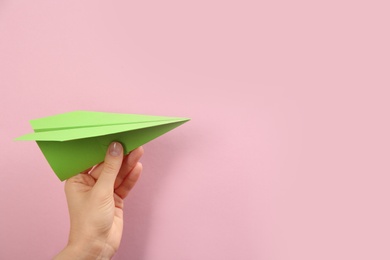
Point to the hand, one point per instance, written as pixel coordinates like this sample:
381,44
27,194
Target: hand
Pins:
95,201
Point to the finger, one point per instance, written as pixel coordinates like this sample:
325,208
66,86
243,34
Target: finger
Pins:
97,169
111,166
129,182
79,183
129,162
118,201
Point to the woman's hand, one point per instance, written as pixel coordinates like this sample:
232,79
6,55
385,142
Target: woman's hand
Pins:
95,201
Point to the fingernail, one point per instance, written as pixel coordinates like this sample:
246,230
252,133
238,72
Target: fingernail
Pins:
115,149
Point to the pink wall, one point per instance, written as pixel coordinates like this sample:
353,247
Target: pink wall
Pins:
287,153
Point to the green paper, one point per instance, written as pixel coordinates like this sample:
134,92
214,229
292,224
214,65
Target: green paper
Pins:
75,141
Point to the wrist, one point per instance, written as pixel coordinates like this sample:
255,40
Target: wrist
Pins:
92,250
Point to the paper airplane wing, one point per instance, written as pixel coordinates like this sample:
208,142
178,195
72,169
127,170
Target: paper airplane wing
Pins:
75,141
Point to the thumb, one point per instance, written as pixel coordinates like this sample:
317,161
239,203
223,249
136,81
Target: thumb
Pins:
111,166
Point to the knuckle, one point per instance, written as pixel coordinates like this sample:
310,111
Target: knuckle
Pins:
110,167
75,179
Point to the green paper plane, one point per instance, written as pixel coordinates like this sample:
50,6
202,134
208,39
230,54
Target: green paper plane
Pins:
75,141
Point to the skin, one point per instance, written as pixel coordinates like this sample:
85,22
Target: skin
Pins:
95,201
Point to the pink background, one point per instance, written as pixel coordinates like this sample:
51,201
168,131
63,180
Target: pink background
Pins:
287,153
